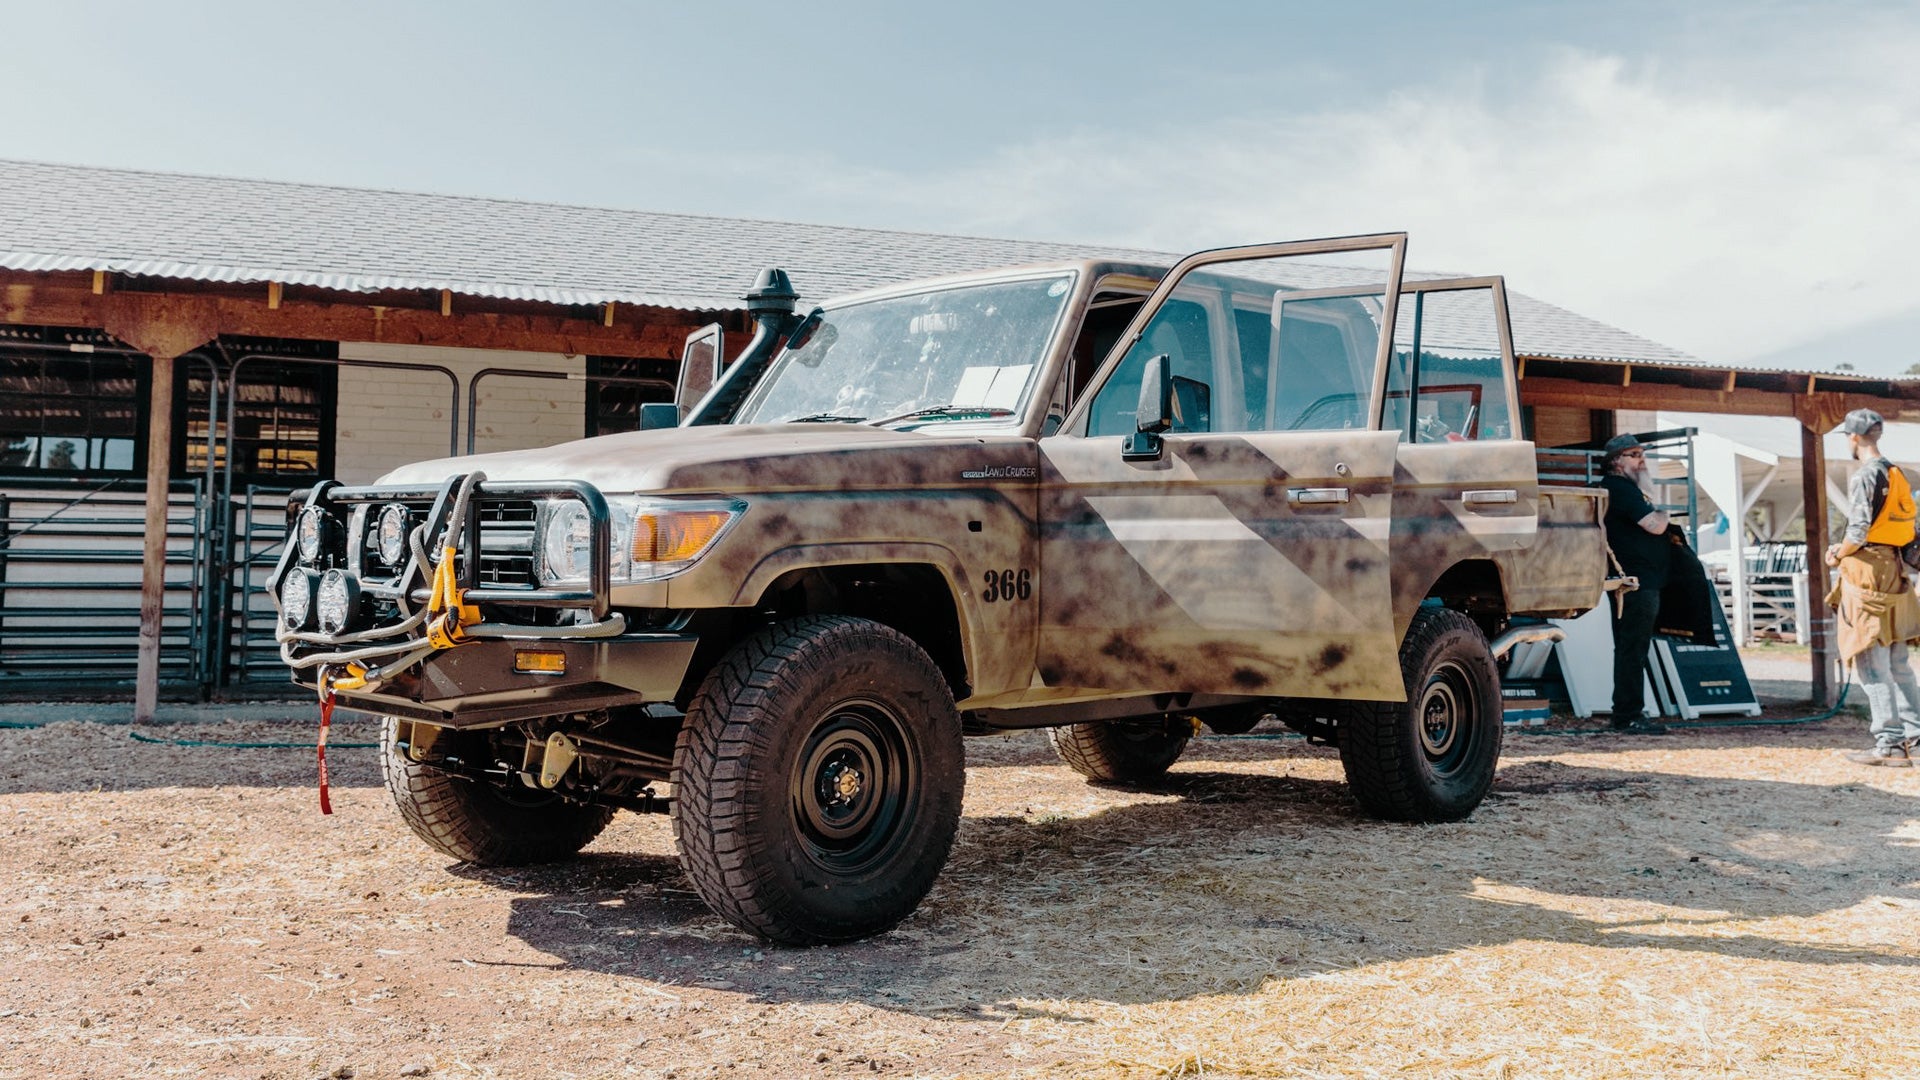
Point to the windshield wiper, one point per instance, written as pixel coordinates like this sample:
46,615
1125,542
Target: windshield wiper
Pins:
825,418
947,412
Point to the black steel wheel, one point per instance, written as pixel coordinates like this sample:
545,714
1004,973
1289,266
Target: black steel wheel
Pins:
484,823
1449,705
817,781
1432,757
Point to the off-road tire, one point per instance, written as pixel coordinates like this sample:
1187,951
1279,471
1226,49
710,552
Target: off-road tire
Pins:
1122,751
1432,757
479,823
817,781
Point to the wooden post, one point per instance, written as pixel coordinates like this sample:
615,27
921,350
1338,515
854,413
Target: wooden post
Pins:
153,566
163,327
1813,487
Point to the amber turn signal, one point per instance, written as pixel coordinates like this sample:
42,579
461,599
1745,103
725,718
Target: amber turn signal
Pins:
677,536
532,662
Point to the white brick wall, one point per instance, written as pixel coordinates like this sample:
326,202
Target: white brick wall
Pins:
388,418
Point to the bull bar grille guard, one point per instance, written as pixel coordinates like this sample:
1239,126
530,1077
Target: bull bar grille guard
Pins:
438,607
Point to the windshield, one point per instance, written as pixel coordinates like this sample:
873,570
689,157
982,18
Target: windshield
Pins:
963,353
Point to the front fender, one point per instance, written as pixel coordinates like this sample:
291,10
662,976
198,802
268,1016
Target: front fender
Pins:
981,659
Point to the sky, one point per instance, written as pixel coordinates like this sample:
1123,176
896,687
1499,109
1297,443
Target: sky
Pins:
1740,180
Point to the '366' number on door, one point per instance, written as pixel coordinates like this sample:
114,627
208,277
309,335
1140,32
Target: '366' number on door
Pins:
1008,585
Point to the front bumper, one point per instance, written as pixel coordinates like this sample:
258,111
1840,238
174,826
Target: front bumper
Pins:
476,685
592,662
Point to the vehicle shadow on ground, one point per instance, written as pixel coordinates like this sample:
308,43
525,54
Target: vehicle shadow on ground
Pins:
1241,879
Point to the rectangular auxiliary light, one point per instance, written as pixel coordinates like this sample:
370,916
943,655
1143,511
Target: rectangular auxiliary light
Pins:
534,662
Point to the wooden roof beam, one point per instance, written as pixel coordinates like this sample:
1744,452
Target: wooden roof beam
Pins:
1579,394
176,318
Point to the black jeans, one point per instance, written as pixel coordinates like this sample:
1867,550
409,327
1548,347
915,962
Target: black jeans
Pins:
1632,633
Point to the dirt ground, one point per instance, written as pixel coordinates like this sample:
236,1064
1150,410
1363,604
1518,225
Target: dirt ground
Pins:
1734,902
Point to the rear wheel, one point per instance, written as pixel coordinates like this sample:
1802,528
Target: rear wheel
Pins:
1433,756
1122,751
817,781
482,823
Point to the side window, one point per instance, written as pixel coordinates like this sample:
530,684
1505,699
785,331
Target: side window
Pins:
1320,357
1179,330
1254,329
1447,347
1285,341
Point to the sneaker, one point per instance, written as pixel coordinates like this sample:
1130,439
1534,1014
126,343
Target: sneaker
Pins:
1886,755
1640,727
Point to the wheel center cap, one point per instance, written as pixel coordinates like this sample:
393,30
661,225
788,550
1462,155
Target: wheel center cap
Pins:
843,782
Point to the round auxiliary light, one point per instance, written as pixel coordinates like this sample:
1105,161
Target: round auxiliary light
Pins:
390,534
568,545
309,532
296,599
337,600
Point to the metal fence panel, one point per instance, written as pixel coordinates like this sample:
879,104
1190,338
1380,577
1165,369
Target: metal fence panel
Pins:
70,568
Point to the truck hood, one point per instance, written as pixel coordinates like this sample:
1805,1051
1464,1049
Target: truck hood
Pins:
740,459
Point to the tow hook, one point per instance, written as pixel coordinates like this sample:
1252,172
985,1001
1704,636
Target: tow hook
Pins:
560,754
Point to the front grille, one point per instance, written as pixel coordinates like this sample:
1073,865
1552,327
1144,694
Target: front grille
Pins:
507,536
508,529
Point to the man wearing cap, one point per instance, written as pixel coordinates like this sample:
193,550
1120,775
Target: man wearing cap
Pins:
1872,601
1637,532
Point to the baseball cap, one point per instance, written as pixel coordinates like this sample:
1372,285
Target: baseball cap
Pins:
1618,445
1860,422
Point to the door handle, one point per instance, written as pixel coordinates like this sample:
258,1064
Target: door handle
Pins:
1329,496
1498,497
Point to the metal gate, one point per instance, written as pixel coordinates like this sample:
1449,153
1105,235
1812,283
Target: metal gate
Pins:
70,570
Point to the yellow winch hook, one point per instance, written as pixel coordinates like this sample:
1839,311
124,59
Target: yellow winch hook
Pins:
353,678
448,613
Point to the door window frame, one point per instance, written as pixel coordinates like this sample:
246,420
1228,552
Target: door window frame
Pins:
1393,243
1496,285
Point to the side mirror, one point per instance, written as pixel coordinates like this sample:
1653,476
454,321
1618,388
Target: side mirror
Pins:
1155,413
803,332
700,366
659,414
1192,404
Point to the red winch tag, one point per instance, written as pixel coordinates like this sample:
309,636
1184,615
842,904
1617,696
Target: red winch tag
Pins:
326,720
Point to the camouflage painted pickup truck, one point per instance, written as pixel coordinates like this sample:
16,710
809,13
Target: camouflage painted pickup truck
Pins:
1116,501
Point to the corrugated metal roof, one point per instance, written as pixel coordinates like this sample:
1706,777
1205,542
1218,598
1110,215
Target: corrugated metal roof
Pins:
167,225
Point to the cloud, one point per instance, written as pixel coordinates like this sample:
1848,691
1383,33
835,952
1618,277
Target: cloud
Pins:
1730,204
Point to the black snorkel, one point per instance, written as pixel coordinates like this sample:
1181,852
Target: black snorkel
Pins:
770,303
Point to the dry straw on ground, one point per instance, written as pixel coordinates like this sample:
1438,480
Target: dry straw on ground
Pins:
1721,903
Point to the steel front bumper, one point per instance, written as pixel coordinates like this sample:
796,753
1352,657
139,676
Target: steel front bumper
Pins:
478,685
480,673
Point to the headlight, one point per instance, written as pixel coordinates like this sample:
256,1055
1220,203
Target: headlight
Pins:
390,535
296,598
338,601
566,544
649,538
310,532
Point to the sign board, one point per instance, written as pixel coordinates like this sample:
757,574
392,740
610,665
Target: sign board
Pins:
1706,679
